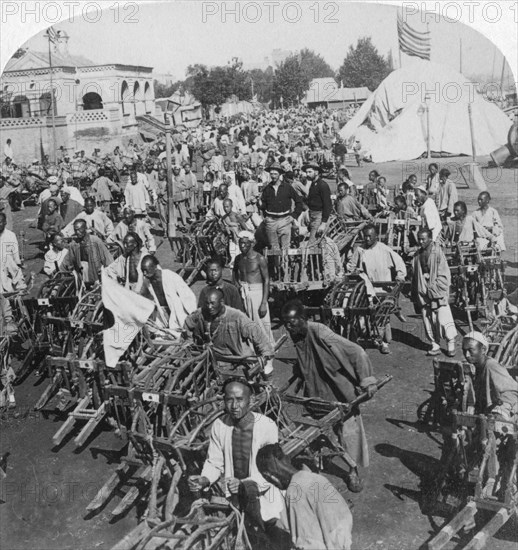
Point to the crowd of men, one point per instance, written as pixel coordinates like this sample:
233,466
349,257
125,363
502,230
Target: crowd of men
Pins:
261,177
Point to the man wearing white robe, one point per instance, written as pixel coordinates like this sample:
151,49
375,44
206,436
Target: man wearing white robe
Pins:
173,298
136,195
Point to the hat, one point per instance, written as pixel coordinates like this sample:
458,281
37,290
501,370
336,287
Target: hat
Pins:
246,235
52,179
313,165
478,337
421,188
275,166
53,187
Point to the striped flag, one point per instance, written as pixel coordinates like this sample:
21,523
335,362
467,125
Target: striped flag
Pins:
412,42
52,35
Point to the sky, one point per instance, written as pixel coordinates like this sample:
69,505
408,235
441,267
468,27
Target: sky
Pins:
169,36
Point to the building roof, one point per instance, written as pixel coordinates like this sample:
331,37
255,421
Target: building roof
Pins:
325,90
40,60
31,60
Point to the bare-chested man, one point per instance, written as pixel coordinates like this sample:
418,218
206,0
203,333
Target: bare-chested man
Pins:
252,278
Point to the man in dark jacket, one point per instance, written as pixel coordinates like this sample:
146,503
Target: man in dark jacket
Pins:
318,201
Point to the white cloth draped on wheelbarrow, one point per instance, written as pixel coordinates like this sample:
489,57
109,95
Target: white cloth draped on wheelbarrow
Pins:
130,312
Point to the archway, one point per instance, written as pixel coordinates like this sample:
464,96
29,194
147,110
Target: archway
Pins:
148,98
92,100
125,97
21,107
137,99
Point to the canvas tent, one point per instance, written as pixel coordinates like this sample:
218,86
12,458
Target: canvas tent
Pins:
234,107
183,107
392,124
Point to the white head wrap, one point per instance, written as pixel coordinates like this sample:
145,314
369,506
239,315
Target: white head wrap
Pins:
478,337
246,235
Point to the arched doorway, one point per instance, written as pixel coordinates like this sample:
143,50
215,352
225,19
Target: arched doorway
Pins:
137,99
125,97
92,100
148,98
46,104
21,107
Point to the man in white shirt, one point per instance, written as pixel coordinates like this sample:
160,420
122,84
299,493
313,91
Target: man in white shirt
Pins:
97,222
428,212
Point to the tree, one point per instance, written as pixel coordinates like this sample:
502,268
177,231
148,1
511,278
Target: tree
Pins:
162,90
289,83
363,66
295,73
313,66
214,86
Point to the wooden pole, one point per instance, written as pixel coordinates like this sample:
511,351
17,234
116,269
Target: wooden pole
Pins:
171,214
502,77
52,104
427,101
472,132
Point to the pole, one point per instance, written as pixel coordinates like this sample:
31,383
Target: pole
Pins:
171,214
52,105
502,76
428,152
493,68
472,132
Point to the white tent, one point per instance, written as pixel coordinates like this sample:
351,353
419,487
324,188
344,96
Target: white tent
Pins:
391,124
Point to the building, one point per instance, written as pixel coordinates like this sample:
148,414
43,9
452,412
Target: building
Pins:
95,105
324,92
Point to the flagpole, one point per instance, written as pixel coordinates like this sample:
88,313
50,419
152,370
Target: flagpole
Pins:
52,104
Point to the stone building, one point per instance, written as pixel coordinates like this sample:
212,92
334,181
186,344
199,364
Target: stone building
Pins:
95,105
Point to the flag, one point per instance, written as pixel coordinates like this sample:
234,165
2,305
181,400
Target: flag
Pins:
130,312
412,42
52,35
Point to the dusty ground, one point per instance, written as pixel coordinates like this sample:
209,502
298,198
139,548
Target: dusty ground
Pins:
43,498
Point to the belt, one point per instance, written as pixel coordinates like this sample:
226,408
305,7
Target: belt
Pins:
277,215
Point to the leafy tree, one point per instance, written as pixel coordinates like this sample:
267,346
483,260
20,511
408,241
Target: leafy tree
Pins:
162,90
262,84
214,86
363,66
295,73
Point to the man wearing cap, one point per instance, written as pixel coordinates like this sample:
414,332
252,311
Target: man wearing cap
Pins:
276,201
496,391
318,201
431,290
252,278
428,212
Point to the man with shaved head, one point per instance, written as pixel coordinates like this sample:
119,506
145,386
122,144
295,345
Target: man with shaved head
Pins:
230,331
333,369
173,298
496,391
235,439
